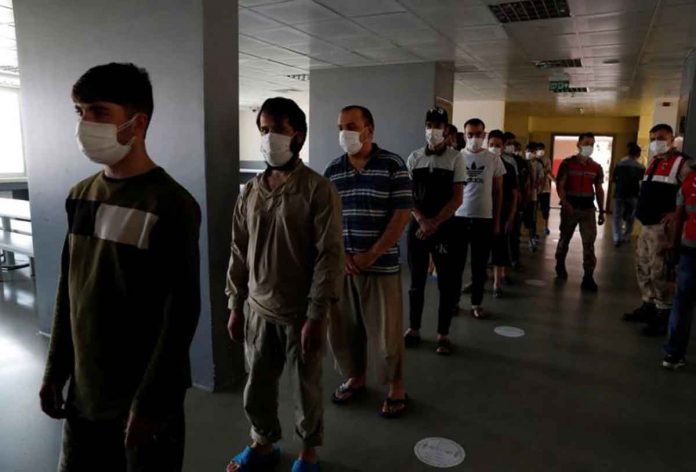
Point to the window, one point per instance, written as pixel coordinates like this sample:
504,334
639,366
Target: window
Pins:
11,151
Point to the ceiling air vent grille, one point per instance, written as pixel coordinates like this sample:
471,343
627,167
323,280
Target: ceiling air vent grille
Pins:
573,90
300,77
530,10
558,63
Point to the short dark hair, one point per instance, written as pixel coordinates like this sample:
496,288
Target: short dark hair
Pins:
437,115
531,146
279,108
634,149
366,114
124,84
585,135
662,127
541,145
474,122
496,133
452,130
507,136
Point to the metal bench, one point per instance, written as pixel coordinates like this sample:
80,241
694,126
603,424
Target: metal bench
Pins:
15,240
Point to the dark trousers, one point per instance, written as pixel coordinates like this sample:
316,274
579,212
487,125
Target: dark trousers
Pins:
476,233
90,446
682,307
530,218
545,205
515,238
443,246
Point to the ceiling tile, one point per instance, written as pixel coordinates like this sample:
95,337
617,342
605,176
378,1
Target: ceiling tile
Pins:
362,7
391,22
340,28
286,36
257,3
296,12
252,22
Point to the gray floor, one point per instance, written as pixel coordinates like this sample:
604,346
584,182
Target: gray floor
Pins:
581,391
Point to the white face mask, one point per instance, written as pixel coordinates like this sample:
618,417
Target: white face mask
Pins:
540,153
510,149
586,150
495,150
275,149
474,144
350,142
658,147
434,137
529,155
99,141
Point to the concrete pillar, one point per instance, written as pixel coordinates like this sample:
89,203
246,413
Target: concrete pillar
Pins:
397,95
190,51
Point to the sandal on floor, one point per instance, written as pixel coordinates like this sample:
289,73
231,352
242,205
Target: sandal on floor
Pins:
478,313
250,461
444,347
347,393
303,466
391,402
411,339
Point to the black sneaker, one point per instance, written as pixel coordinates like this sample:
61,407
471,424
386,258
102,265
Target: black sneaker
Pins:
561,272
588,284
657,325
642,314
673,362
411,339
497,292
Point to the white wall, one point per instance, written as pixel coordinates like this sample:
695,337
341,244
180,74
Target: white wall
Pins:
667,114
492,112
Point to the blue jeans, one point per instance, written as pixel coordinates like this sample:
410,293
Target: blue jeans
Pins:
624,212
682,307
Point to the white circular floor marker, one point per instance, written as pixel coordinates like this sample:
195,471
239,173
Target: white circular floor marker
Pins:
509,331
439,452
535,283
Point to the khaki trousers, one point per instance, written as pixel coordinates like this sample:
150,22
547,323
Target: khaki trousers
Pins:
269,347
651,266
369,314
587,221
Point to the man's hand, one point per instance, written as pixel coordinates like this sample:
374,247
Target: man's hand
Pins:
364,260
140,430
235,326
52,403
600,218
671,221
567,209
510,225
428,227
496,228
312,335
351,268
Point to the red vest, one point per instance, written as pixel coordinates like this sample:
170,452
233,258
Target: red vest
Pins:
658,193
688,193
667,171
581,178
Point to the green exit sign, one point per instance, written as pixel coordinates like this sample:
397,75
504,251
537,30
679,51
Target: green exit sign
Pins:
559,85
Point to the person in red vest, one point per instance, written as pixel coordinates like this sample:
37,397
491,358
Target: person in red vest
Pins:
579,182
666,172
682,314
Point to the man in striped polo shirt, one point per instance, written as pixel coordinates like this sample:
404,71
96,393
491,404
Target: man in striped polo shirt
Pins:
375,190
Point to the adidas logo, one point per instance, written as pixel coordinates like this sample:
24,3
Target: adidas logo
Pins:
474,171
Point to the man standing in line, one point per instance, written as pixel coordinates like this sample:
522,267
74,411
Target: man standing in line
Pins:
514,149
627,177
666,172
129,290
580,181
478,218
544,164
377,199
530,213
501,243
437,173
286,262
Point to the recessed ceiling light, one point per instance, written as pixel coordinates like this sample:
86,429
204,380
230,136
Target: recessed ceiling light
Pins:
610,61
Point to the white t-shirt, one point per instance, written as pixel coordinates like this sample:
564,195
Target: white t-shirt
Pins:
481,168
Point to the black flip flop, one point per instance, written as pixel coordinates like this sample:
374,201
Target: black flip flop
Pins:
394,402
353,393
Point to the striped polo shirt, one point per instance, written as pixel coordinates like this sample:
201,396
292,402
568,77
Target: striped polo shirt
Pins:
369,197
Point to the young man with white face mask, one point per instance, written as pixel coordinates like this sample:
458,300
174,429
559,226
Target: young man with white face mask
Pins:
478,218
377,200
580,181
437,173
128,296
287,258
666,171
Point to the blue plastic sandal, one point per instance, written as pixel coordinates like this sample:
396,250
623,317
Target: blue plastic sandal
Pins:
250,461
301,466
